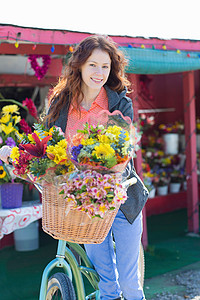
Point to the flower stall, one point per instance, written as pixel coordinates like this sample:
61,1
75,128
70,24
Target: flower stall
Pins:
165,89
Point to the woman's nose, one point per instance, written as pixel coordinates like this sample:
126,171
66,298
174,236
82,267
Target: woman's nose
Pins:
98,71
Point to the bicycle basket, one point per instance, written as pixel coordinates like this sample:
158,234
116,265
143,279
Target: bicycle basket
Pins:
75,226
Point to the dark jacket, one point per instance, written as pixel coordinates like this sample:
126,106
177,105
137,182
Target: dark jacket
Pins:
137,193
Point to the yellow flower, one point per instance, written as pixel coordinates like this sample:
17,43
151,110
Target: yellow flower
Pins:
58,152
50,132
113,133
10,109
14,154
70,166
86,142
162,126
161,153
50,149
7,129
103,139
17,119
2,172
5,119
103,208
103,151
62,143
115,130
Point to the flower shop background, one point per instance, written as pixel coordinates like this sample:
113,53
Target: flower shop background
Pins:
165,88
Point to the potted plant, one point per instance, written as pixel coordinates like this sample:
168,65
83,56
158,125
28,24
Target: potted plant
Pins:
149,178
177,178
171,137
162,183
149,185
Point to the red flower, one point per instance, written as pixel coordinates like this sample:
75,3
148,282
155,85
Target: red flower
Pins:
21,166
24,126
37,150
31,107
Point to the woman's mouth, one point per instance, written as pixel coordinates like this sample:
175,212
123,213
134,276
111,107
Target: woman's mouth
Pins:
96,80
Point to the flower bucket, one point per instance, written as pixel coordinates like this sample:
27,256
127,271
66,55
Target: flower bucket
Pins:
27,238
162,190
171,141
174,187
11,195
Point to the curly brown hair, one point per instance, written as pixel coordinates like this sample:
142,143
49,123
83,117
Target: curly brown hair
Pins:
68,89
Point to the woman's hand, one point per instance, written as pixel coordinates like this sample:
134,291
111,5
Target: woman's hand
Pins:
5,153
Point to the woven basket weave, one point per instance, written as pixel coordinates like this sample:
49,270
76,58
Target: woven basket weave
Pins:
73,226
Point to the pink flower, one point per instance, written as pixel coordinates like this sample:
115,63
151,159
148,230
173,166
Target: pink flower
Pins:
24,127
31,107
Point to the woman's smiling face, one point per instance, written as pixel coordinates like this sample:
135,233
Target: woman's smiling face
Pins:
95,71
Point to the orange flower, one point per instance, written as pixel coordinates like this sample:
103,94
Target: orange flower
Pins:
77,138
121,159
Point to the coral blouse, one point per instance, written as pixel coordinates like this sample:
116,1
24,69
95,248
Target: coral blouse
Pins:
75,118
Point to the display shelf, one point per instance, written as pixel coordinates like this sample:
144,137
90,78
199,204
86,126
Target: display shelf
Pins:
167,203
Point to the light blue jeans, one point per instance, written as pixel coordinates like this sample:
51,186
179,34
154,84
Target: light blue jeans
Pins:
119,273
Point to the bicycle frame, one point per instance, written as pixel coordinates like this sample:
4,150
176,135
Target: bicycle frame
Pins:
72,269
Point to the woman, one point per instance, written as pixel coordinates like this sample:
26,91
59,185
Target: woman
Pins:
95,80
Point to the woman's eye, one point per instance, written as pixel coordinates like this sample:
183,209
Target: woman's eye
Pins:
92,65
105,67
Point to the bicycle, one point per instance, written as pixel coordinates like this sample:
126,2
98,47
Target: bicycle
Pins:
60,284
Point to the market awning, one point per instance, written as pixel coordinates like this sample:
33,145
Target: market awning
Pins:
153,61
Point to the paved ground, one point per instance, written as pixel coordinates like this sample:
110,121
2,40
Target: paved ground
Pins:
177,285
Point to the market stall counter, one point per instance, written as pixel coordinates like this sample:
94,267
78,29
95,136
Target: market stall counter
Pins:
13,220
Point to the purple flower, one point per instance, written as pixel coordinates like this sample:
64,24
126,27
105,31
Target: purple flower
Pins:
1,140
10,142
75,151
1,163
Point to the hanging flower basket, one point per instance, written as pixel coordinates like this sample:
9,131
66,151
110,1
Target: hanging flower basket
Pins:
11,195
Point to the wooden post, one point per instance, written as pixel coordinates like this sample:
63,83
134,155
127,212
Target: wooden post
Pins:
191,151
138,161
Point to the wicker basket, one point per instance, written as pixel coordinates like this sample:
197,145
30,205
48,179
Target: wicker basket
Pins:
75,226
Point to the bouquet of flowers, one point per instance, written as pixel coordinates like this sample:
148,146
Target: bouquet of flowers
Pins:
11,124
41,155
106,142
94,193
100,150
